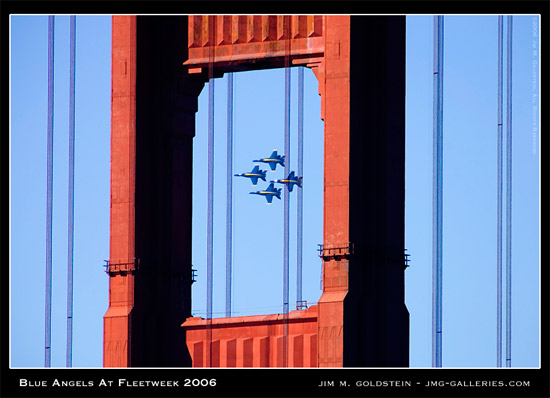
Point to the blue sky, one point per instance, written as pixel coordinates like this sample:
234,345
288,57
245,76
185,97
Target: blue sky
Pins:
469,223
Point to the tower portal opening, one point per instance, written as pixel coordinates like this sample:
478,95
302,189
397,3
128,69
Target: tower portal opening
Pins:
257,253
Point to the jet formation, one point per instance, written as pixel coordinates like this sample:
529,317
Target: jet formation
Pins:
271,191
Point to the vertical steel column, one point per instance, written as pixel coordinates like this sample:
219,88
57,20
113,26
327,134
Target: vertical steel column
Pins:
69,359
229,209
437,250
300,203
509,197
499,196
49,195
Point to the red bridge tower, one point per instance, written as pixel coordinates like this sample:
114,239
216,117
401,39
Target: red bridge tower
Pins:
159,66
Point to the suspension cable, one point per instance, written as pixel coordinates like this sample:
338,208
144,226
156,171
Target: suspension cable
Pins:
69,359
286,27
49,194
210,218
509,197
437,251
499,196
300,199
229,209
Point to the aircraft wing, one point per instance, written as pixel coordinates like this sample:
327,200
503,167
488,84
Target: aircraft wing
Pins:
254,180
269,198
273,165
255,169
273,155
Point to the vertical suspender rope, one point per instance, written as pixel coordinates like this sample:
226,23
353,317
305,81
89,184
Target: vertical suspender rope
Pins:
509,197
210,211
300,203
69,359
286,26
286,215
229,210
499,197
233,144
210,220
437,193
49,196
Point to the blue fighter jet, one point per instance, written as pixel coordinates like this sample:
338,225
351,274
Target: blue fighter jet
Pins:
254,174
273,160
291,180
269,193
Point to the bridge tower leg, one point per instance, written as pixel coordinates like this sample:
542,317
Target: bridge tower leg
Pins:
363,320
152,128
